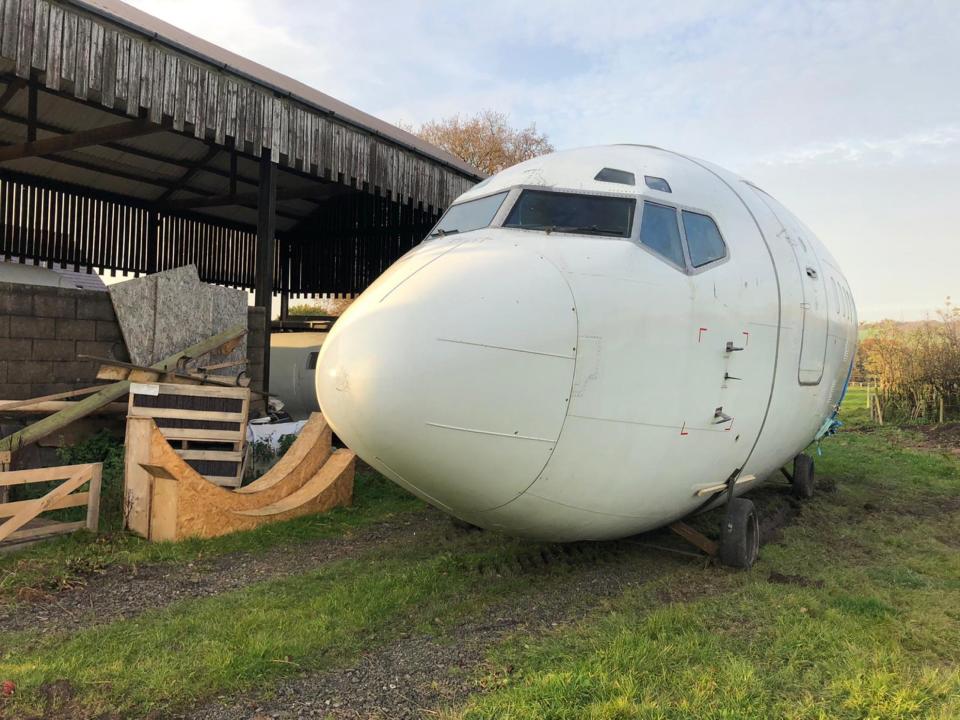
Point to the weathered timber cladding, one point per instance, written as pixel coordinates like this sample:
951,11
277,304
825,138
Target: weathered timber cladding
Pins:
342,248
79,52
56,227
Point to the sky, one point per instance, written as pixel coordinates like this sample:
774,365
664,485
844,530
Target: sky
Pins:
847,112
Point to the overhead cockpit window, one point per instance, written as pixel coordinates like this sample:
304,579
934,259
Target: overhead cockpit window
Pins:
660,232
656,183
572,213
703,239
616,176
469,215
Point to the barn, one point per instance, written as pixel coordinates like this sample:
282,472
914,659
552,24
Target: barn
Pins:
128,146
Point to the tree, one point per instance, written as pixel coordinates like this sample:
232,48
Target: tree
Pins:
485,140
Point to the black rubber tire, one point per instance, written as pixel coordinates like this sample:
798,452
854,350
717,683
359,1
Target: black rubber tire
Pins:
740,534
803,479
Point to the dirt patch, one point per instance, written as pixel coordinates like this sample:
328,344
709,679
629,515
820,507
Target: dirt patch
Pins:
798,580
944,437
124,591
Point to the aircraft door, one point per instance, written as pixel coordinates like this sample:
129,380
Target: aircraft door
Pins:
813,346
815,327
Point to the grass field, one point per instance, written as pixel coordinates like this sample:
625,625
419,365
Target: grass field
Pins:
853,612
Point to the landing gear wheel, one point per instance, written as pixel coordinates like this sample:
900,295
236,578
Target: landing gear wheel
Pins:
802,480
740,534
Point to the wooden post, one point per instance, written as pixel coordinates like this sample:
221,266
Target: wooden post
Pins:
284,279
93,498
266,240
941,409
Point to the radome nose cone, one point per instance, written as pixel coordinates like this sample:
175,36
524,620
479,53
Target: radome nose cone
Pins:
452,376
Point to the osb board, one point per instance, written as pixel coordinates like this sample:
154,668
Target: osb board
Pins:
163,313
202,509
301,461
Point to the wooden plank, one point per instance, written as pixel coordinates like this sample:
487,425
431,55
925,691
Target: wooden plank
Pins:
223,480
108,87
82,75
84,138
35,475
183,414
41,24
75,500
203,434
68,55
13,405
135,58
93,506
696,538
225,455
22,517
47,530
25,39
137,482
54,46
237,393
10,34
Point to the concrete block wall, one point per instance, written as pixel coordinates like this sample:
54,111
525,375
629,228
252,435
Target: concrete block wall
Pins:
44,329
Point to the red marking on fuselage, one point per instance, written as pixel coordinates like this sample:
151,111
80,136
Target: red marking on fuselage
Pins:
683,430
700,334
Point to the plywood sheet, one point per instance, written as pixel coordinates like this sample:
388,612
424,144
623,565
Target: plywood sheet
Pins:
163,313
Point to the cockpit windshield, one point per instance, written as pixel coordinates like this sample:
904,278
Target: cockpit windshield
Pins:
470,215
572,213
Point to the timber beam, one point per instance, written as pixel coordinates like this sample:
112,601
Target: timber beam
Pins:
83,138
317,192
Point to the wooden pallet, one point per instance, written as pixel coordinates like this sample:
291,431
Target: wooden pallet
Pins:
22,523
207,426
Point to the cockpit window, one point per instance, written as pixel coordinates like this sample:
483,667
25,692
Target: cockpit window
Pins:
470,215
660,232
616,176
703,239
572,213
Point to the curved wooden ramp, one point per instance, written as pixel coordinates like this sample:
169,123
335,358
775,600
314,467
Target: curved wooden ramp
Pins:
310,478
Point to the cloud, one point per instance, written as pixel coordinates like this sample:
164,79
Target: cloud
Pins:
847,111
938,145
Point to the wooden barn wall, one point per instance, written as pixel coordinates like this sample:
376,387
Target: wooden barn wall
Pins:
342,248
348,243
57,227
76,52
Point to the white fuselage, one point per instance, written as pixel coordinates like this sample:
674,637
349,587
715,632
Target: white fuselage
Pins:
577,386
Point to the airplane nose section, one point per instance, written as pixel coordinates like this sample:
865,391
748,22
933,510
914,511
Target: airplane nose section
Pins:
452,373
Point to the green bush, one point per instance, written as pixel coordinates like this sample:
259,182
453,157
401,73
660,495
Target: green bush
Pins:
102,448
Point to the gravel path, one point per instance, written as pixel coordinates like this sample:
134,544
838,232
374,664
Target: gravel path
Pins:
124,591
416,675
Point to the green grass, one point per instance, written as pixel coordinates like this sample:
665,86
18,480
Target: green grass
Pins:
867,626
871,631
60,562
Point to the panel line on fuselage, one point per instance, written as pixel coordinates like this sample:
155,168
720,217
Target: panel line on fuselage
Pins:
510,349
490,432
776,276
